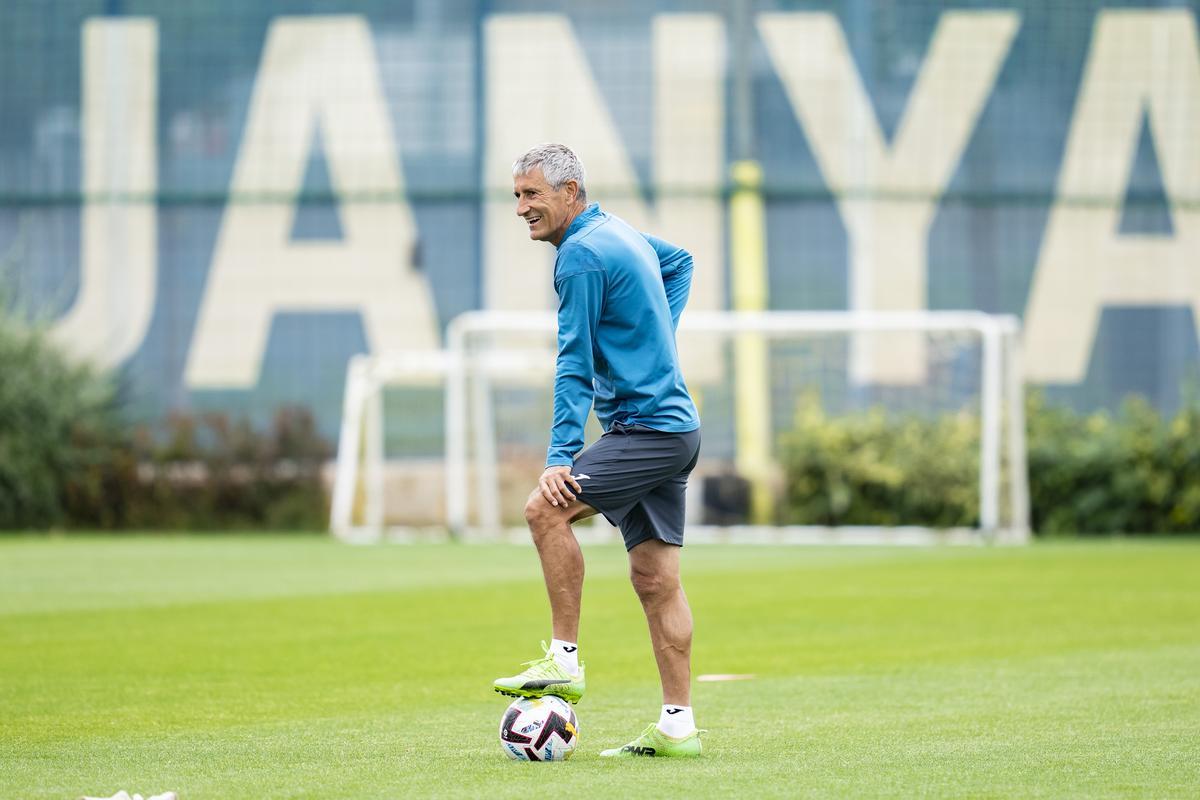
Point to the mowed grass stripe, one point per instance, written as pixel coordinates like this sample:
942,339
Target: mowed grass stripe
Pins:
1047,671
862,736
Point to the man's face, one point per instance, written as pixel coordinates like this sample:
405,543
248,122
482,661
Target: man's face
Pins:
547,211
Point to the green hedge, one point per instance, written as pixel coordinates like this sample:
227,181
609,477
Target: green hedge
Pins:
68,459
1133,472
210,473
872,469
57,420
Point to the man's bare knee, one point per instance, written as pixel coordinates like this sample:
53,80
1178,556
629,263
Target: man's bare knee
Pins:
535,508
654,570
541,517
652,585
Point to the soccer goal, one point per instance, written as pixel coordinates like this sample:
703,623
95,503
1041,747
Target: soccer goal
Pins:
818,427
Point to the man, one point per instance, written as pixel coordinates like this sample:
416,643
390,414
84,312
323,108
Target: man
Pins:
620,296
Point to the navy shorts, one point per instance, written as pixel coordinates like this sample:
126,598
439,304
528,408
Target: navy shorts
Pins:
636,476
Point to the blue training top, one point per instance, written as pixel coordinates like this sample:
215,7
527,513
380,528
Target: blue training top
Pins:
620,294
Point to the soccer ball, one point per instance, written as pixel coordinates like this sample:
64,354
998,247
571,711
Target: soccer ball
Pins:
539,729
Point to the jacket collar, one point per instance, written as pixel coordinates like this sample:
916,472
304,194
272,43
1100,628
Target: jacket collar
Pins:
589,214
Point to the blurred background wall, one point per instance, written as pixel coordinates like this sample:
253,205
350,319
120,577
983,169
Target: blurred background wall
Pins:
226,200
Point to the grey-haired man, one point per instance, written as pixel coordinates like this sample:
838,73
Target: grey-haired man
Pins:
620,294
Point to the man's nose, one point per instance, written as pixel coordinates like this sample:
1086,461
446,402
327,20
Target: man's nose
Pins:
521,208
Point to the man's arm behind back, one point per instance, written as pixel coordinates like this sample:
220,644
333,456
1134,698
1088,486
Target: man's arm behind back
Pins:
676,266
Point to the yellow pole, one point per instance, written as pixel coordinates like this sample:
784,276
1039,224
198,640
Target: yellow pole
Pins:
752,405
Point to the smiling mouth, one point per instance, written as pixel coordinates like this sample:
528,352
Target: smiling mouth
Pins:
533,220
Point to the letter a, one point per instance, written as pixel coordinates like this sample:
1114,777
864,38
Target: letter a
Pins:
315,71
1141,63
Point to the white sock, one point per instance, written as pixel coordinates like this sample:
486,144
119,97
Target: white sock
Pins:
566,654
676,721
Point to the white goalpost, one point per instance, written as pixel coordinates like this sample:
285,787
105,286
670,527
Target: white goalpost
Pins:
359,484
752,369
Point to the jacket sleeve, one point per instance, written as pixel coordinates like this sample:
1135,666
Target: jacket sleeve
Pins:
581,291
676,266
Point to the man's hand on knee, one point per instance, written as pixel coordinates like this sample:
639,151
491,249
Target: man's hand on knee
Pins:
554,485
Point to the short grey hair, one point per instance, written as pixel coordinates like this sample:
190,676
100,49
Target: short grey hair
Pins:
558,165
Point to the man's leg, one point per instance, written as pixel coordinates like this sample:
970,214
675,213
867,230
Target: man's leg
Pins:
562,568
562,561
654,570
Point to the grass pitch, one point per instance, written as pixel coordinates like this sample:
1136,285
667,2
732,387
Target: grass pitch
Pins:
255,667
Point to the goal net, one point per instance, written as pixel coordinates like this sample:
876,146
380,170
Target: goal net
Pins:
841,427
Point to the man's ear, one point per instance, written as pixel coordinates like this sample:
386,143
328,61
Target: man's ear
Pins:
572,187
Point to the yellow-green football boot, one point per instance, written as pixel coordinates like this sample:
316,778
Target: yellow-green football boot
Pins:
657,744
544,676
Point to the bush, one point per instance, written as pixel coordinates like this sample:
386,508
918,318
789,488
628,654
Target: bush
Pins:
874,469
58,420
207,473
1131,472
68,459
